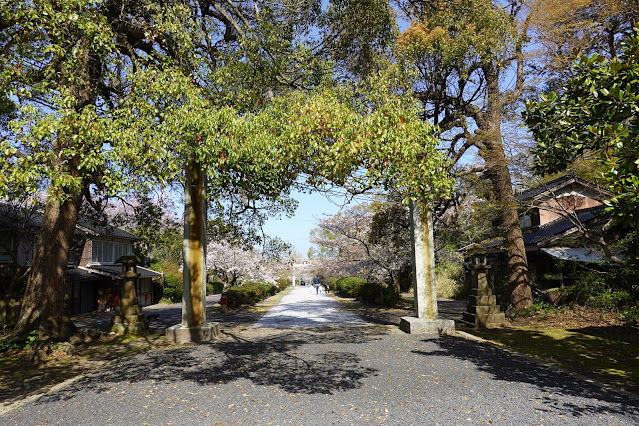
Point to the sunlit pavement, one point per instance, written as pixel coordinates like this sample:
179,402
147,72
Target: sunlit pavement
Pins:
302,307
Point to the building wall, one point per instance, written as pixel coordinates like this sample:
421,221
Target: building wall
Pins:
85,257
552,209
144,291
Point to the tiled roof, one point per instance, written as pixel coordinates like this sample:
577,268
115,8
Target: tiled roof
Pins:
82,227
557,226
114,271
97,230
79,274
556,184
537,234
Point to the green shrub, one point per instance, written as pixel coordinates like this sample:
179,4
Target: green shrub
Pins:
631,314
263,288
215,287
23,342
610,299
172,290
249,293
238,296
450,281
607,290
376,294
282,283
587,285
347,285
538,307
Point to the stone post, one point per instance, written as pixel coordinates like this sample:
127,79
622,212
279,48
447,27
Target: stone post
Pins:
194,327
128,318
483,310
424,283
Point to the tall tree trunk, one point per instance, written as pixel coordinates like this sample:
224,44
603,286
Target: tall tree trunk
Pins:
43,304
396,285
499,175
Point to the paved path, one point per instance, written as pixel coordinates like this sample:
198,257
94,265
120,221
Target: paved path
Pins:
328,375
303,307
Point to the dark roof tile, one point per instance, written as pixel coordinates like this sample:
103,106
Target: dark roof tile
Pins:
556,184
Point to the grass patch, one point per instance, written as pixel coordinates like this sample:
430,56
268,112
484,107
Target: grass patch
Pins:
266,304
609,354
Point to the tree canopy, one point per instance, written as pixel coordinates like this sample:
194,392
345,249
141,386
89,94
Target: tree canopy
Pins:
116,96
456,54
596,111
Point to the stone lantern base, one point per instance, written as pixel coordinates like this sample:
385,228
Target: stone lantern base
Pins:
180,333
128,318
483,310
414,325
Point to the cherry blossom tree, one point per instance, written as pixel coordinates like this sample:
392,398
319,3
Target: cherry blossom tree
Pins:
369,240
234,263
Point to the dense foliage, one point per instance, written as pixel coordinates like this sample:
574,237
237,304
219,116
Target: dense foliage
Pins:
376,294
456,55
348,285
596,111
116,96
172,288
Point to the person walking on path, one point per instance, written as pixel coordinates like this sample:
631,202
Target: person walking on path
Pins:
316,283
299,309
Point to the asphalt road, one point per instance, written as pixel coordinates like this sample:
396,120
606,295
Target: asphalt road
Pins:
337,374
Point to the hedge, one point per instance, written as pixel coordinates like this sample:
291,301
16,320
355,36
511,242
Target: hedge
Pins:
282,283
172,290
249,293
348,285
376,294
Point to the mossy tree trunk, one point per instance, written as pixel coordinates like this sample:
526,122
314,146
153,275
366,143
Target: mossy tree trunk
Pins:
43,303
492,151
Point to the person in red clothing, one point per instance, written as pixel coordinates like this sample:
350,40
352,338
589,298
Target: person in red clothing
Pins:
112,299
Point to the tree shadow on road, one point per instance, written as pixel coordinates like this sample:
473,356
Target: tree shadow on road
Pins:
266,360
509,367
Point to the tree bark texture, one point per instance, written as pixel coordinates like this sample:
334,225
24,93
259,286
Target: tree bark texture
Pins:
43,303
396,283
497,171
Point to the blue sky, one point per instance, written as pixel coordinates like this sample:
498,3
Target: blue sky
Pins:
296,230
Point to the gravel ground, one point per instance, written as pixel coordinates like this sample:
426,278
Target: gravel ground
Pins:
329,375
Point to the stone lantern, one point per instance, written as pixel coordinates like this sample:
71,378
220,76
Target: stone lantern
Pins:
483,310
128,318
